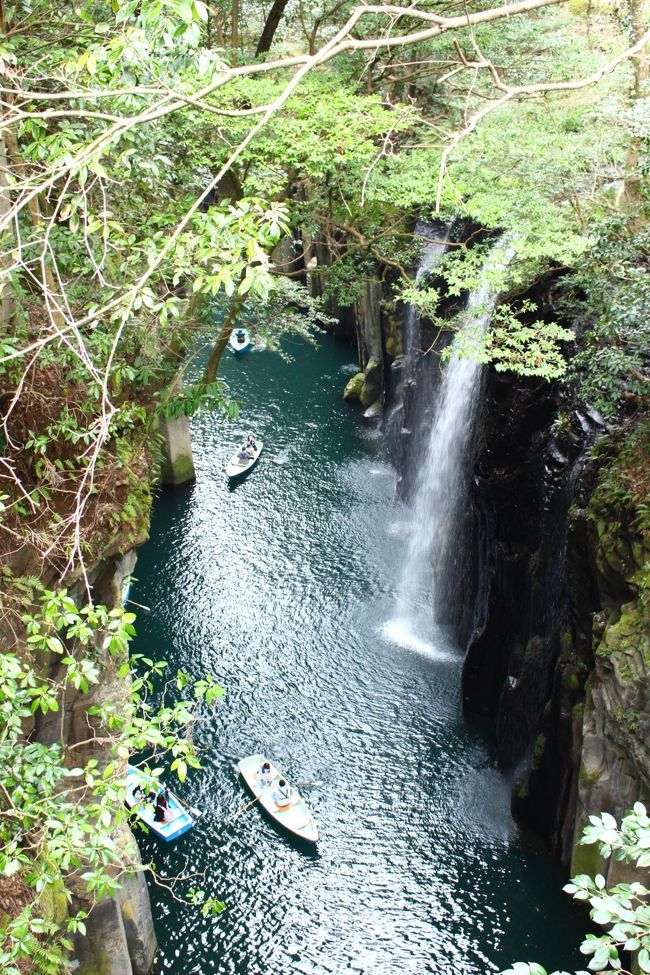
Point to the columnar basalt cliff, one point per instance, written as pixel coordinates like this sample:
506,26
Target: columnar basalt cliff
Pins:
598,739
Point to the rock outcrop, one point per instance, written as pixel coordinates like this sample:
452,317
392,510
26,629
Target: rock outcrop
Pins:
178,463
120,937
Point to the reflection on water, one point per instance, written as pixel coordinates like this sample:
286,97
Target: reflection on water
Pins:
285,589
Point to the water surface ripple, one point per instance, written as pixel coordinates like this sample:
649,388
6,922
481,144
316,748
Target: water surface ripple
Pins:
285,589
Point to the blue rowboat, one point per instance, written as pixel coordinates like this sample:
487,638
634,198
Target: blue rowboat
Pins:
240,341
296,817
141,791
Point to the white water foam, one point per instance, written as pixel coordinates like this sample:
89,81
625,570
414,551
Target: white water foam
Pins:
402,633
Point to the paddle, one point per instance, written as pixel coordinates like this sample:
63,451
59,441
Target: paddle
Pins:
244,808
147,609
197,813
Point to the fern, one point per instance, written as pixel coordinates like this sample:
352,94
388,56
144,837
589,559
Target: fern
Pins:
49,959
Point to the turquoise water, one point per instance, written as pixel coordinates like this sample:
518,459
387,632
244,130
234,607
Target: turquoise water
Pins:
284,588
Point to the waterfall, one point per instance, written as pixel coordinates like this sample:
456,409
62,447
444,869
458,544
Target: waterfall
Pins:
435,551
416,384
434,237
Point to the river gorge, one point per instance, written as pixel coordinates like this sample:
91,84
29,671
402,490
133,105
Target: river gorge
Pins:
287,589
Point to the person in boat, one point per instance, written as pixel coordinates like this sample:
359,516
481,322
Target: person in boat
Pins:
140,795
283,794
250,442
265,775
162,813
241,335
161,810
244,453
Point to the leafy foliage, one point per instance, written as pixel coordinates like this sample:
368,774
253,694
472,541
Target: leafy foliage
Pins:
622,908
61,811
611,292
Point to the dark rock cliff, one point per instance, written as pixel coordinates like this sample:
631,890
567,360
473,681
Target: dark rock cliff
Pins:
558,663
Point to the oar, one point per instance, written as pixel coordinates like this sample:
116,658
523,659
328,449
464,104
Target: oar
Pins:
191,809
147,609
244,808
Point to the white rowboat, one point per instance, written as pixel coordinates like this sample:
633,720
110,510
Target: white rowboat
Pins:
240,341
295,818
237,466
139,789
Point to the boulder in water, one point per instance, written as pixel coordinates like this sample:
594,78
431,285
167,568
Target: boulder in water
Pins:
354,388
374,411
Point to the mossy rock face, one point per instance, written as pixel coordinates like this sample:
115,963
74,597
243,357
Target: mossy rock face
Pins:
534,649
369,395
352,391
585,859
178,465
374,411
538,751
53,903
371,389
625,635
181,470
392,339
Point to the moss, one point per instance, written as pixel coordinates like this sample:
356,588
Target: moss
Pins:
392,338
589,779
538,751
628,635
570,680
179,471
534,648
352,391
53,903
371,388
100,963
585,859
566,643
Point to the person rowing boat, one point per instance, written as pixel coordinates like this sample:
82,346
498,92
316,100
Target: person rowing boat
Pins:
283,795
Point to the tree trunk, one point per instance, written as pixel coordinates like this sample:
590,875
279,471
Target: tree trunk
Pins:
632,182
229,323
234,29
6,297
270,27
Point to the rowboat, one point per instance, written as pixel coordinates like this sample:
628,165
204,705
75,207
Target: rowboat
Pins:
237,466
141,791
240,341
295,818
